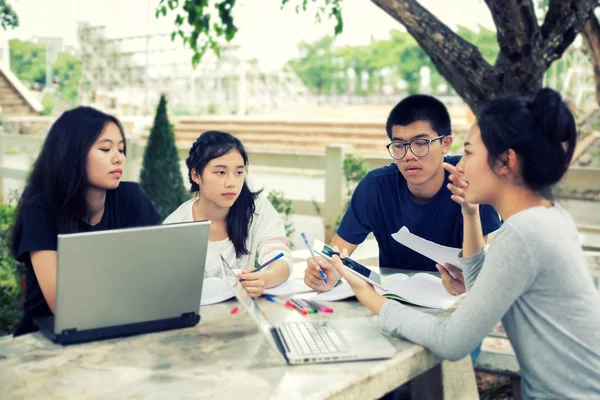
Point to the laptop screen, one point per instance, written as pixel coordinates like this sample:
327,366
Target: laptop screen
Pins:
249,303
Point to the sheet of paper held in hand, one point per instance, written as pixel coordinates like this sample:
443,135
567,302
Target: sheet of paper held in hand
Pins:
436,252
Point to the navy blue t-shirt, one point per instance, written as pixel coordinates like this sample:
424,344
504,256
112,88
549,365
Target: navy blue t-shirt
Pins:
382,204
126,206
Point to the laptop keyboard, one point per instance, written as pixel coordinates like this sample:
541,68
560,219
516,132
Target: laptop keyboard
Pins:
313,338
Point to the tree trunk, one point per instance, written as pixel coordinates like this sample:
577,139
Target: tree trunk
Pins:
591,39
526,49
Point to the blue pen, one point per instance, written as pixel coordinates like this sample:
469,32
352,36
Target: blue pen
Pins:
314,258
277,257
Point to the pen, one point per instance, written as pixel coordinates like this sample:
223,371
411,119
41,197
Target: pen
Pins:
319,307
307,310
290,303
277,257
312,254
305,304
279,301
448,271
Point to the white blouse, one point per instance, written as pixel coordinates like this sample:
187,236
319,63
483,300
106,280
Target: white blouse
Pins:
266,237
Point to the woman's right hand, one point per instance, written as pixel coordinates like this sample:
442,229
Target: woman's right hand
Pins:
458,188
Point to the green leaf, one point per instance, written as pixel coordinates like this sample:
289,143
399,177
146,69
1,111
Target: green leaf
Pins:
8,17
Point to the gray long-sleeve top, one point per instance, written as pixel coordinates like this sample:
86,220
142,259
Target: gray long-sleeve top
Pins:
535,279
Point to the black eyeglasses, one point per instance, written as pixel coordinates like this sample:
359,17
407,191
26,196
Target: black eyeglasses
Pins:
419,147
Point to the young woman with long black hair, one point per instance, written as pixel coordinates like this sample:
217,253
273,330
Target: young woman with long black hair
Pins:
243,223
75,186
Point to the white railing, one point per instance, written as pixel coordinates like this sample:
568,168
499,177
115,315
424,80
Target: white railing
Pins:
331,162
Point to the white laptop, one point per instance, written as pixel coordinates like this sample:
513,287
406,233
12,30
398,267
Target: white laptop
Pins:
314,341
127,281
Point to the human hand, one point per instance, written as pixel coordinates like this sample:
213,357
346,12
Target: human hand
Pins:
456,285
313,279
254,283
356,283
459,188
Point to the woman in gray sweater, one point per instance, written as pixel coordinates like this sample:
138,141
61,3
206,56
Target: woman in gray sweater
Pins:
533,277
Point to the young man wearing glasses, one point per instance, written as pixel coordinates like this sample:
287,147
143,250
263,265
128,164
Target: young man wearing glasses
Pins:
410,192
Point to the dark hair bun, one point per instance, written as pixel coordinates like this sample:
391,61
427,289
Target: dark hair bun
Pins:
542,132
553,116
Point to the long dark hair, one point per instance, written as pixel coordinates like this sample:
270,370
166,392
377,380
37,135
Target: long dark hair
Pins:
60,172
211,145
542,132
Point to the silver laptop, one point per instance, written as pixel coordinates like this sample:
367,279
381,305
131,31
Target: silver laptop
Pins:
314,341
127,281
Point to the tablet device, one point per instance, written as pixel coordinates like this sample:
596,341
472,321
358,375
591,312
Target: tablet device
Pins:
356,268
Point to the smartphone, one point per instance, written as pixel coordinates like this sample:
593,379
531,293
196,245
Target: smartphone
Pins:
356,268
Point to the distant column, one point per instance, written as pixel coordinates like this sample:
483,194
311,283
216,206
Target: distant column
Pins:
242,87
4,50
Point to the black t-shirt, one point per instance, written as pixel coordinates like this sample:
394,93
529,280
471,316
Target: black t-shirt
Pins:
125,207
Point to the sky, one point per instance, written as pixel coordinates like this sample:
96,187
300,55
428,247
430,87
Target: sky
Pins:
265,30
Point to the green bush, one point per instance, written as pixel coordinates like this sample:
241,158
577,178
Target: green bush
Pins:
48,104
11,274
284,208
355,169
161,177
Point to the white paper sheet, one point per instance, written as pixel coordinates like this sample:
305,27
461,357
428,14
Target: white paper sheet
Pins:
288,288
436,252
340,292
215,290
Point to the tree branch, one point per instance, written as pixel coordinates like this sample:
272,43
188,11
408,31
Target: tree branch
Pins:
591,39
457,60
564,20
516,27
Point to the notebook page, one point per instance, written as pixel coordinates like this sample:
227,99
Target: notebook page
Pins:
215,290
288,288
390,282
340,292
423,290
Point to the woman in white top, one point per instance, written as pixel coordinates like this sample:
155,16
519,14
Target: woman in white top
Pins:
243,223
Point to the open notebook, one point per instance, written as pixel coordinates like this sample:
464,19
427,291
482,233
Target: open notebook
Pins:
421,289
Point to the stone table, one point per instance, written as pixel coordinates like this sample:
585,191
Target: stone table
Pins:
224,356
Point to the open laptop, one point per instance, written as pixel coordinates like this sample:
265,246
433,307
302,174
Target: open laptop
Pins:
127,281
314,341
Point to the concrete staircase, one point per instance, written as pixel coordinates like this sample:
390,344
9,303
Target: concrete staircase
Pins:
15,98
366,137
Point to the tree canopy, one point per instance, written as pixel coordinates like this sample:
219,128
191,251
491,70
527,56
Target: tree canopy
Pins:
526,47
28,62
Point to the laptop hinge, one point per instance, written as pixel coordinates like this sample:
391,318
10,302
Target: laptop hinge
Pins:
280,340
